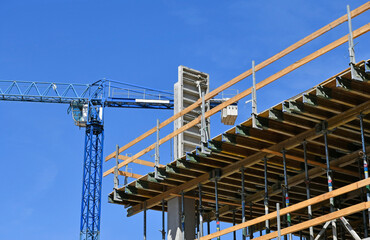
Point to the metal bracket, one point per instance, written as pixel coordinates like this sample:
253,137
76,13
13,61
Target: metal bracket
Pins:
362,74
321,127
215,174
367,67
116,195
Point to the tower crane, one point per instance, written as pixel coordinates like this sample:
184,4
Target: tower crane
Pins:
86,105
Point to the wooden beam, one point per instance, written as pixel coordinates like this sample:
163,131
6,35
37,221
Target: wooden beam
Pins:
139,161
243,94
253,159
363,8
207,200
296,207
128,174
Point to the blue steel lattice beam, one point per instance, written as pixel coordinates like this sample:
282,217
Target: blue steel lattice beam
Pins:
116,94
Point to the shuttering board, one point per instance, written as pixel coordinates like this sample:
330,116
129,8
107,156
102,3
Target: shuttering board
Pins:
186,92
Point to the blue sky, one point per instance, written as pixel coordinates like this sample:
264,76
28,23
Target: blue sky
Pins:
141,42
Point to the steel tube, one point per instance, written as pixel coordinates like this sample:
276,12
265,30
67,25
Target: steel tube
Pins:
364,157
163,223
144,220
234,233
278,224
251,229
266,200
217,212
286,192
330,184
307,180
243,202
182,216
200,234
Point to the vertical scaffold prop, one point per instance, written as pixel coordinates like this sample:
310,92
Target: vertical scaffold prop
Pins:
266,199
242,195
307,181
330,181
286,191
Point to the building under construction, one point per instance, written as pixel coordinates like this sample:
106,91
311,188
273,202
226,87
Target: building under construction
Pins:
299,168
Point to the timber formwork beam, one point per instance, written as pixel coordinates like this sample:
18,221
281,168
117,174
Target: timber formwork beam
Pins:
292,142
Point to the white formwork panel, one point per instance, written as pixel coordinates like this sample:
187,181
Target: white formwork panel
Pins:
185,94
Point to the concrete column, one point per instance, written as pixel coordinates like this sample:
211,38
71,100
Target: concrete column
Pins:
174,219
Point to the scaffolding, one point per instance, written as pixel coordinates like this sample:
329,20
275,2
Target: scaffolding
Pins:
290,170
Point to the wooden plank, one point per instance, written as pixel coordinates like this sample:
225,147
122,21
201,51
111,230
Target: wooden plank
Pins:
253,159
296,207
139,161
243,94
363,8
207,200
128,174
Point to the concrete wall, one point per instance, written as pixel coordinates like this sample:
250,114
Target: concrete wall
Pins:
174,219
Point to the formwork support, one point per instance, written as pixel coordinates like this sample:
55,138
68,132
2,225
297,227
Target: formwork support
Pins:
200,209
364,157
330,181
182,216
300,231
242,194
307,181
217,212
144,220
208,228
234,233
283,204
364,217
286,191
278,220
197,222
266,199
251,229
163,222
